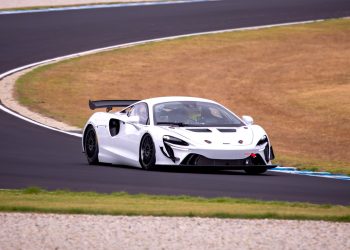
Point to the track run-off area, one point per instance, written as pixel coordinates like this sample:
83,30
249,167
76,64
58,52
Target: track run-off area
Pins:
35,156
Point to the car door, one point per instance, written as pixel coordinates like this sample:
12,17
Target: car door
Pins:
127,141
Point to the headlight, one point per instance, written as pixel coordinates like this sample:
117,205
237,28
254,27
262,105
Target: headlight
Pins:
262,140
174,140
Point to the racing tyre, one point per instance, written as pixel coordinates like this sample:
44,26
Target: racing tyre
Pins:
147,153
255,170
91,146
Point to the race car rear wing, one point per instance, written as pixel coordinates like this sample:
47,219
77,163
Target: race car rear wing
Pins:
109,104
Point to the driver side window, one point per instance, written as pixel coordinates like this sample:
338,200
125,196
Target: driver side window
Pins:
140,110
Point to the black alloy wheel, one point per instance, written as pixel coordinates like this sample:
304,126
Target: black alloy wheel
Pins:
91,146
147,156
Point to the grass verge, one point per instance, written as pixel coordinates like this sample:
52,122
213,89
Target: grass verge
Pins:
37,200
294,80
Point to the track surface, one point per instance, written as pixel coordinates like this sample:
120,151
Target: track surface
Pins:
31,155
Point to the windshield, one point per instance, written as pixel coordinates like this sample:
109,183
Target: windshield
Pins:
196,114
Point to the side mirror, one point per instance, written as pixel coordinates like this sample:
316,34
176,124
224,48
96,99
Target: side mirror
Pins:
133,119
248,119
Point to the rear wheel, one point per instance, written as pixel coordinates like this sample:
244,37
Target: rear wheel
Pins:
147,155
91,146
256,170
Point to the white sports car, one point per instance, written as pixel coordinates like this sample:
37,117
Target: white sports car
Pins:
183,131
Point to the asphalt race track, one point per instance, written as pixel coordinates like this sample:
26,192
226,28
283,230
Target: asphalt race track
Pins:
34,156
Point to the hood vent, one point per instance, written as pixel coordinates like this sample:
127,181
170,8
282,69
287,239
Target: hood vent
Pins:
227,130
200,130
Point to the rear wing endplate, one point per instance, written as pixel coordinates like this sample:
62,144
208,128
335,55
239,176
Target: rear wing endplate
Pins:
109,104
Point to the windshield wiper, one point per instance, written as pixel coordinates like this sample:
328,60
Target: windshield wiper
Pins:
180,124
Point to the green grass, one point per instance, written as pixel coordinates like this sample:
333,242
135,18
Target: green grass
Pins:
66,202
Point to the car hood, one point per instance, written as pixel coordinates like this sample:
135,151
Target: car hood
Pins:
215,136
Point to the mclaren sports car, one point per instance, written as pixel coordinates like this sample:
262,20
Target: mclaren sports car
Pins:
175,131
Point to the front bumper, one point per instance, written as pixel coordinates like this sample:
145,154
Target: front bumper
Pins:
225,157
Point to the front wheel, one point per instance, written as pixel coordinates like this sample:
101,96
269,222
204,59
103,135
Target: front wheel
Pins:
255,170
147,155
91,146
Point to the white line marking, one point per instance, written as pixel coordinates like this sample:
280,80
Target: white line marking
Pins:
37,123
101,6
292,170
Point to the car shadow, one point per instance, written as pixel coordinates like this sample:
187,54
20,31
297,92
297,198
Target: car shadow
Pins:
189,170
204,170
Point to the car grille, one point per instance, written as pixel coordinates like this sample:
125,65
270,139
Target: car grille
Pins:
199,160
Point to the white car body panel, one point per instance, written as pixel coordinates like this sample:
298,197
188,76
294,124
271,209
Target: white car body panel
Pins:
123,149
